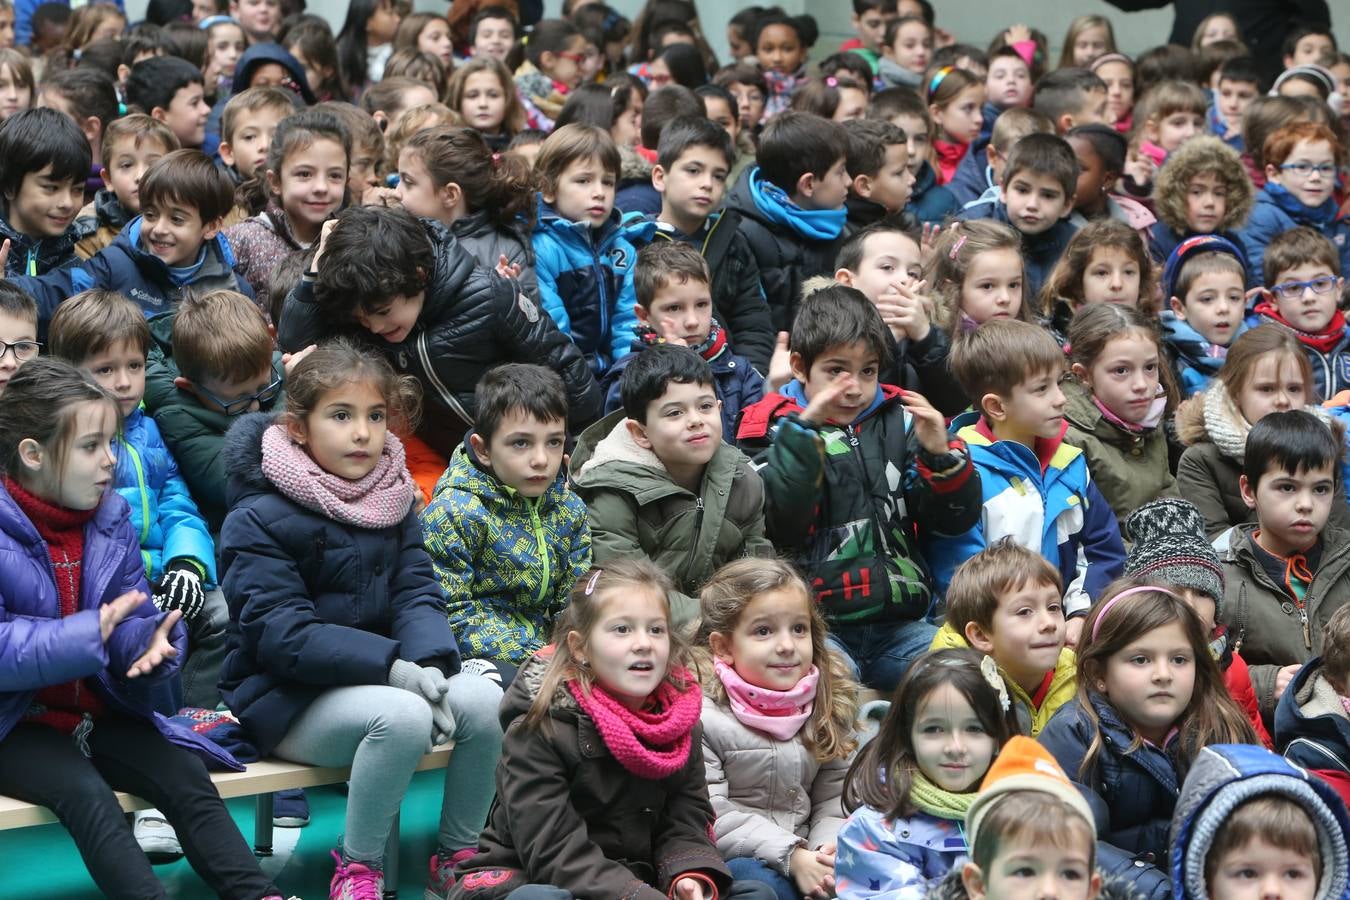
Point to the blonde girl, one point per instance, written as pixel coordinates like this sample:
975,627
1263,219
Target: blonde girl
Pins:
778,710
1088,37
1213,28
483,93
1150,697
909,788
604,745
16,83
1105,262
1265,371
977,274
955,104
1116,402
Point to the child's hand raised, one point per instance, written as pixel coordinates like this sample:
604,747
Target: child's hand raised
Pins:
815,412
290,360
324,232
906,314
813,876
1017,34
928,242
160,649
1073,630
506,268
4,257
112,613
929,425
780,365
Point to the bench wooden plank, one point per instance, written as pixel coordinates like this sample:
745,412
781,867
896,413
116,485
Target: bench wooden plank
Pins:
263,777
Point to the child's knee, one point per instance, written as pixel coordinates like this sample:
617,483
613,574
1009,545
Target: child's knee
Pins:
475,701
403,716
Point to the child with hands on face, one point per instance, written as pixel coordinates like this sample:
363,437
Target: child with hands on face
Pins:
604,745
909,789
778,709
86,652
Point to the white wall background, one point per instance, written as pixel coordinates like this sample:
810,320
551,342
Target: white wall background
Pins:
969,20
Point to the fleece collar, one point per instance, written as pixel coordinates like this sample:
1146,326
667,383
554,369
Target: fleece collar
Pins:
810,224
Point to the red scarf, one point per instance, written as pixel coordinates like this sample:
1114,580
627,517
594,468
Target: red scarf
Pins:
654,741
949,156
1322,342
60,705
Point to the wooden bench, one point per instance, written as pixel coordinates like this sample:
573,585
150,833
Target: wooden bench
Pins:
261,779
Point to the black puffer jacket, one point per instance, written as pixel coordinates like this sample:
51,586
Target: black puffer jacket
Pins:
315,604
472,319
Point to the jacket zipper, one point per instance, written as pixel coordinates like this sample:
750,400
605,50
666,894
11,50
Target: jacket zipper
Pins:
444,392
140,485
538,528
602,339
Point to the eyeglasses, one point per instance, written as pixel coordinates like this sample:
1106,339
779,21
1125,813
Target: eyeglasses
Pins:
241,404
23,350
1292,290
1304,169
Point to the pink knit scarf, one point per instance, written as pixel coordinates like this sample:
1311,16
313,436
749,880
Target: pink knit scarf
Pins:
652,742
779,714
380,499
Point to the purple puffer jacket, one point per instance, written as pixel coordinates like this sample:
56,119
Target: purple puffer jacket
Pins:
39,648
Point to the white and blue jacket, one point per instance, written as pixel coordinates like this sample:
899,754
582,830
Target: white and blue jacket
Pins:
895,859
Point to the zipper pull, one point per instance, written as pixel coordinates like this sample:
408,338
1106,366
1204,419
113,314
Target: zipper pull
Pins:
81,734
852,435
1307,632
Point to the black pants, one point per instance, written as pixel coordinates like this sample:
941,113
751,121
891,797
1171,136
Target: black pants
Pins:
41,765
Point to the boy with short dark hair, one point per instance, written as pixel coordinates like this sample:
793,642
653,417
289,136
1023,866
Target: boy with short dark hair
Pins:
1071,96
880,181
635,192
852,468
674,306
1286,575
659,481
1008,603
172,247
210,362
18,331
171,90
1312,719
691,172
1307,44
929,202
1303,281
506,535
44,160
792,202
1036,488
1036,198
130,146
1239,84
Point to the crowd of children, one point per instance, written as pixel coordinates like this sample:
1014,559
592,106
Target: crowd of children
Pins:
539,385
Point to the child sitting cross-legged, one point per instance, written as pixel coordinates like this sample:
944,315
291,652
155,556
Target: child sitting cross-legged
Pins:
130,146
1036,487
1008,603
660,482
1312,719
505,498
674,305
1289,573
852,467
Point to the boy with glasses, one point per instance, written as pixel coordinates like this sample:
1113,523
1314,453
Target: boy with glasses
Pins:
18,331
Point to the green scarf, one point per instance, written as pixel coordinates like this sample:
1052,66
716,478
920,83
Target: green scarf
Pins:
933,800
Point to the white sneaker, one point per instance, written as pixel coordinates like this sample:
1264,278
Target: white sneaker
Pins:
156,836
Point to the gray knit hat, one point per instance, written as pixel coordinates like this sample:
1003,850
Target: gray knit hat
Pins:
1169,546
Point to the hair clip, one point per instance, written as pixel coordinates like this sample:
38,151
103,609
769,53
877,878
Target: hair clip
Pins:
989,669
832,81
496,159
956,247
937,79
611,19
590,585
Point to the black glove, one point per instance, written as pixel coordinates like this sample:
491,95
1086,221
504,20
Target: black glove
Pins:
181,589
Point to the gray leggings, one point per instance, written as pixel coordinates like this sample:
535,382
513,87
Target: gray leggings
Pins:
381,732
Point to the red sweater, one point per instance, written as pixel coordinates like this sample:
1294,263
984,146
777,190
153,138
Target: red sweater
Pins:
60,705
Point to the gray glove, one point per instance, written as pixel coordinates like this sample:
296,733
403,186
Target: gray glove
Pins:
181,589
426,682
442,721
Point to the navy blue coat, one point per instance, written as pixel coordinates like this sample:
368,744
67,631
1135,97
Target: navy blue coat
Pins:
930,201
1314,742
1139,788
315,604
972,176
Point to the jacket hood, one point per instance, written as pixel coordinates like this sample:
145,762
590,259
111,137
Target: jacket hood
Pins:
261,54
15,523
618,224
1223,777
1011,459
453,267
924,180
525,687
1190,420
109,210
219,257
1203,154
608,444
757,197
243,456
633,166
1318,217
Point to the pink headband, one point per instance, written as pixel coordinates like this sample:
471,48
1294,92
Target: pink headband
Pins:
1106,607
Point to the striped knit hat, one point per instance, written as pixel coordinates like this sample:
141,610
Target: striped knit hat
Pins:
1169,546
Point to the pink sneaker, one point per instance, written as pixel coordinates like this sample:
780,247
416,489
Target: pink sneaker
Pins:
442,877
354,881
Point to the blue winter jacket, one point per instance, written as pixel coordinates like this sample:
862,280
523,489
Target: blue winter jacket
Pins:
586,282
40,648
1276,211
1224,776
1040,252
1312,729
973,176
124,266
895,859
1194,367
167,523
315,604
1138,787
930,201
1056,510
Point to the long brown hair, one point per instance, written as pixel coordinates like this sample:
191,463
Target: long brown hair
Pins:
1250,348
1095,326
592,592
513,120
881,775
1066,278
1210,718
830,734
500,184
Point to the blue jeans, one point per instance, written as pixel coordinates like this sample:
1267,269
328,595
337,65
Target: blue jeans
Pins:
745,868
880,654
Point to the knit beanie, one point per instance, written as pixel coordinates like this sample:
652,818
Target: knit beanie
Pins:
1192,247
1169,545
1024,765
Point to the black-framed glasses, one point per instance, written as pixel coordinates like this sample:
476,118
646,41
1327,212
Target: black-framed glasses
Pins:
23,350
1292,290
241,404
